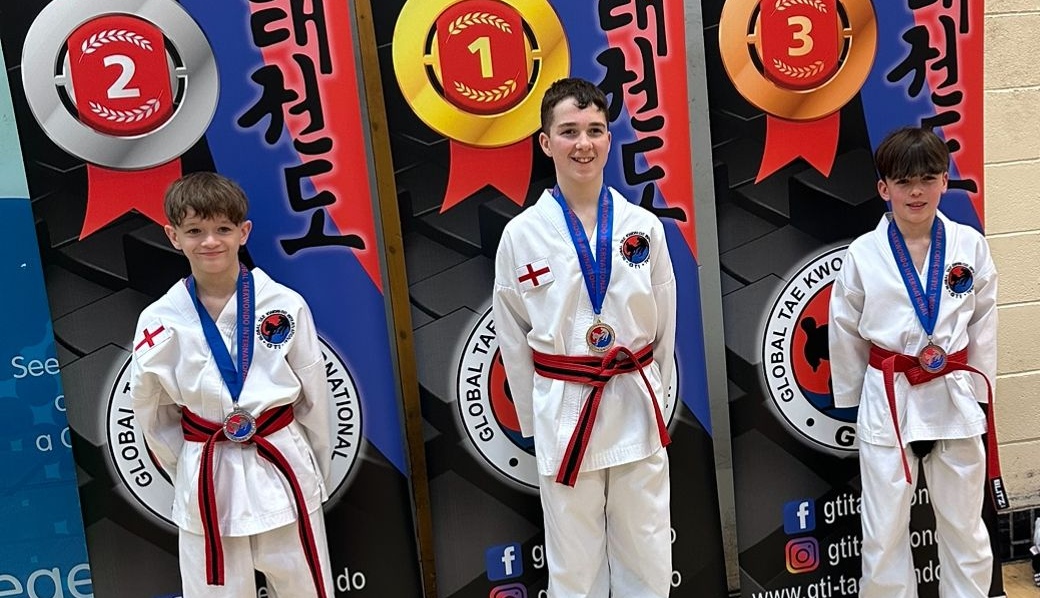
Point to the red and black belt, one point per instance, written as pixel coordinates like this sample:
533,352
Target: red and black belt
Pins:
197,429
595,372
891,363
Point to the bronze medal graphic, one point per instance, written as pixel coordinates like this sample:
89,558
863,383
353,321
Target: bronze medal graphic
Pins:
793,38
800,43
800,62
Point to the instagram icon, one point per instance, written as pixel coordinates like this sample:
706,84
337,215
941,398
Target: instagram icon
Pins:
803,555
513,590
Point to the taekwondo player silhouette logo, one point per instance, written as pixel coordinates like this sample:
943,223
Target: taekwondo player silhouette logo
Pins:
795,360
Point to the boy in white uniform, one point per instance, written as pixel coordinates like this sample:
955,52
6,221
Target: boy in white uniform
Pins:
584,307
913,323
228,385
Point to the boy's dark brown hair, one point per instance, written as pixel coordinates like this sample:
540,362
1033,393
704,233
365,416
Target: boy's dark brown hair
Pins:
208,195
583,92
909,152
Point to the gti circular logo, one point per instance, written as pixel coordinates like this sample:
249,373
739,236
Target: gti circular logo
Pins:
635,249
960,279
488,414
276,327
151,486
795,357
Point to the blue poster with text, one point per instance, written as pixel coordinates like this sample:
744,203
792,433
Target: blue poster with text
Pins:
43,550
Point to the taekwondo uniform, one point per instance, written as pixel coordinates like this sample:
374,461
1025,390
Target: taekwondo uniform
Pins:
870,306
174,371
615,518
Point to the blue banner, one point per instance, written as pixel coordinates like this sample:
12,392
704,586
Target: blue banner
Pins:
43,550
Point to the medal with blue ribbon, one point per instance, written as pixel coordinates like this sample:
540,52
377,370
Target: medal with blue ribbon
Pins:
932,357
239,425
594,269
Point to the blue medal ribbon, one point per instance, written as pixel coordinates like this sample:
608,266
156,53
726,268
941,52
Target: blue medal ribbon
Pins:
925,301
595,270
234,378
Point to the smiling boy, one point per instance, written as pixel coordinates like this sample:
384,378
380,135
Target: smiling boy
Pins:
584,307
228,386
913,322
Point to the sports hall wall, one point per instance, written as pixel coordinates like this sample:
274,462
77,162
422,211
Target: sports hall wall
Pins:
1013,230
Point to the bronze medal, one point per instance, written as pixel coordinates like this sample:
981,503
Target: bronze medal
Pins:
932,358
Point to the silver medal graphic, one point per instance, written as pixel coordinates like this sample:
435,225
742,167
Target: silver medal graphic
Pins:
47,79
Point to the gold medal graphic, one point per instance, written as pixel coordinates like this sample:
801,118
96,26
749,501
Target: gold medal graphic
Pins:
800,62
475,71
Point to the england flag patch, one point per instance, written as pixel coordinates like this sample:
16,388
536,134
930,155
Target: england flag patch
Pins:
152,335
535,274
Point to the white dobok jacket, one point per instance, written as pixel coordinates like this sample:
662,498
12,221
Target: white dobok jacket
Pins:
870,304
174,368
551,313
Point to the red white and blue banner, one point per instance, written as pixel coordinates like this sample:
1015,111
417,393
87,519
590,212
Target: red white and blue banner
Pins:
44,551
116,98
801,92
463,81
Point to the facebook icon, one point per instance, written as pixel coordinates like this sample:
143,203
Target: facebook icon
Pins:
504,562
799,516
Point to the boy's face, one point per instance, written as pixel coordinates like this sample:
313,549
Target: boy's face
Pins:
210,244
578,142
914,200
